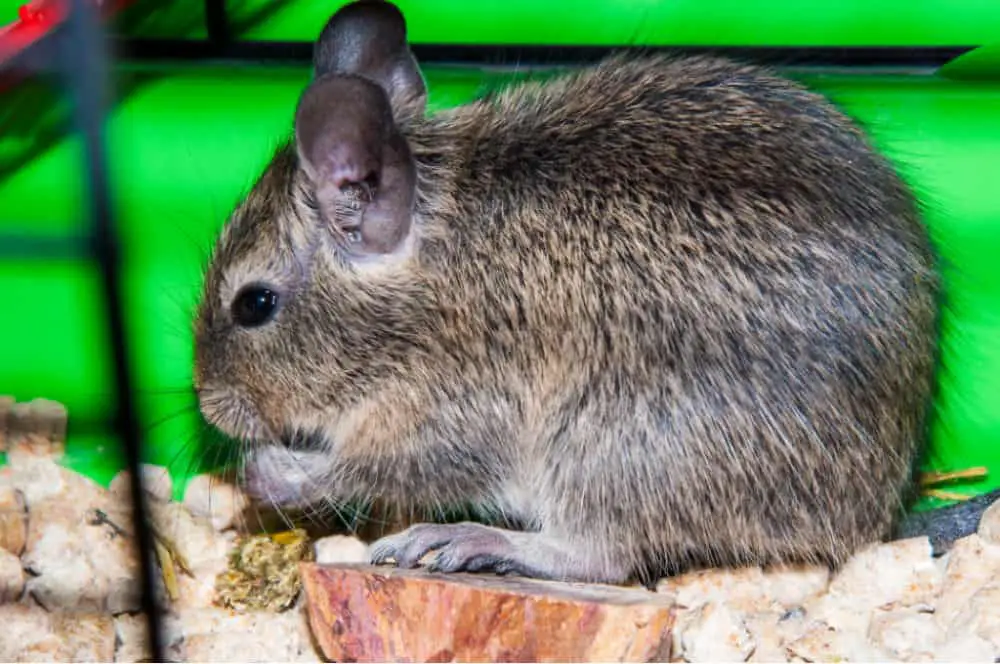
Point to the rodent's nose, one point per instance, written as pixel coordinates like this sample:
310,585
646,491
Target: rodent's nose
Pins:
303,440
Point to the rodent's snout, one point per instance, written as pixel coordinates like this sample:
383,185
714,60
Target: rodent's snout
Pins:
232,412
234,397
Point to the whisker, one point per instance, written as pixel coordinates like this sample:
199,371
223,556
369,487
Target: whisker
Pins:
155,424
180,453
166,391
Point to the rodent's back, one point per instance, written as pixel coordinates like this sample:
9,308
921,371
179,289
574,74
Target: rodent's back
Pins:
661,195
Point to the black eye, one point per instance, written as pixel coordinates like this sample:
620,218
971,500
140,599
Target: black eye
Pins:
254,306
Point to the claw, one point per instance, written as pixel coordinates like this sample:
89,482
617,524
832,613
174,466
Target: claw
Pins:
380,553
409,546
396,548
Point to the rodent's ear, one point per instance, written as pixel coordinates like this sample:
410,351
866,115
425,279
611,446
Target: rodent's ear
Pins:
368,38
362,170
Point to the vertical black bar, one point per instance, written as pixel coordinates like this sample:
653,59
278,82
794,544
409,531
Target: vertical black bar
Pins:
217,22
85,63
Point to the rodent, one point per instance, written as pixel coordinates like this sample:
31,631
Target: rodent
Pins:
659,311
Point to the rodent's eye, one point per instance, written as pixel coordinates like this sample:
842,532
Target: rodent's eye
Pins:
253,306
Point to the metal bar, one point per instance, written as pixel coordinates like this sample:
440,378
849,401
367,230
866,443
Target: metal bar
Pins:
217,22
44,247
229,51
86,66
298,52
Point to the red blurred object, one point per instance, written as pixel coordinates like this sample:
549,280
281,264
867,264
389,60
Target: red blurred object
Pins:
35,13
35,20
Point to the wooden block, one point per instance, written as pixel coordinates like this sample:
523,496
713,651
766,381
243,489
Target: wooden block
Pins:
364,613
40,424
13,518
6,404
50,418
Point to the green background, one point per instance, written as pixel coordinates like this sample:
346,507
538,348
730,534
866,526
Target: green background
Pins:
712,22
186,142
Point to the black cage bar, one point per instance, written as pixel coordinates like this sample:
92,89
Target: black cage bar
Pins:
76,49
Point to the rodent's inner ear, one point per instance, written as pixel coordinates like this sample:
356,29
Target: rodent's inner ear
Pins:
368,38
361,168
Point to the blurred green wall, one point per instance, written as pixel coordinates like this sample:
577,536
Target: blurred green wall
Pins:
714,22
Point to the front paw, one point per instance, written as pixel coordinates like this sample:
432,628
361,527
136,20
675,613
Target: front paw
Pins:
468,547
472,547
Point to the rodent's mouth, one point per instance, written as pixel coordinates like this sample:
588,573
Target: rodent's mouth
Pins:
282,477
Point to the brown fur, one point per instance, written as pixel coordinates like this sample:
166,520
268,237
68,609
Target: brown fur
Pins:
663,311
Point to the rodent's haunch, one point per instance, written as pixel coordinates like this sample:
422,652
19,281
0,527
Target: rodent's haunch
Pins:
659,311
